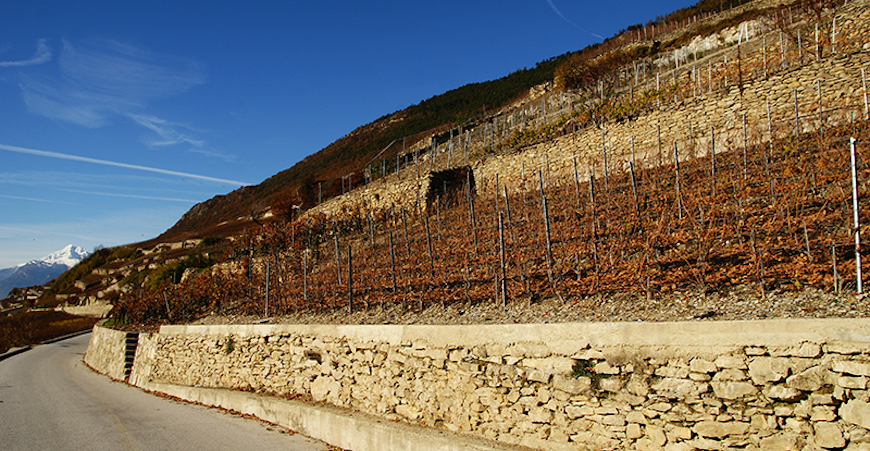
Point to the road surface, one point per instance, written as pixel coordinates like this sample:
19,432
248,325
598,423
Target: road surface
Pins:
49,400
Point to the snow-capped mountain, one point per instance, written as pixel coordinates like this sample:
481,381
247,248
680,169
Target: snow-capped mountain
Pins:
38,272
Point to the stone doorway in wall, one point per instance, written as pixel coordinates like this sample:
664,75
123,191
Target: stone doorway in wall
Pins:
448,186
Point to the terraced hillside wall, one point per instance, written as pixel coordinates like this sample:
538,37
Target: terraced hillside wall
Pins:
832,84
782,384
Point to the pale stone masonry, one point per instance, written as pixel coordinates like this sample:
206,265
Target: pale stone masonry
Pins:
780,384
106,352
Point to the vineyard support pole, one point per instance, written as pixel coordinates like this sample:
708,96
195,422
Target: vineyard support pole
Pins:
834,264
507,208
503,287
305,276
634,188
405,227
855,215
797,120
392,262
267,291
547,232
744,146
713,158
349,280
821,113
337,253
677,172
168,312
576,186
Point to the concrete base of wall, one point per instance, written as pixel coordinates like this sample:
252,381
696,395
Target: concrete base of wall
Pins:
338,427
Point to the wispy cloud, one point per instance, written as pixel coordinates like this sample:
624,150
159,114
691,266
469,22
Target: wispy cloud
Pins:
173,133
42,55
103,79
556,10
63,156
33,199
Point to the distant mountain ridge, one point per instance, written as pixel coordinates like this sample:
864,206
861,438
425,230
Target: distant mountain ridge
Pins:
39,272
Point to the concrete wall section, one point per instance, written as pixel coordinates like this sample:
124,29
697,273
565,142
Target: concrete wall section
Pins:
708,385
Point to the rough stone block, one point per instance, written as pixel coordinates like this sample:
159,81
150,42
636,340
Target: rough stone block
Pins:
680,388
714,429
539,376
782,393
634,431
561,365
828,435
733,389
768,369
805,349
854,383
611,384
851,367
606,368
702,366
730,361
572,385
730,374
811,379
857,413
636,417
780,442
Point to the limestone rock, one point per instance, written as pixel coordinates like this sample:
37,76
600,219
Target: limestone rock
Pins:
852,367
732,389
730,361
768,369
715,429
782,393
811,379
572,385
702,366
857,413
611,384
323,386
560,365
680,388
854,383
781,442
828,435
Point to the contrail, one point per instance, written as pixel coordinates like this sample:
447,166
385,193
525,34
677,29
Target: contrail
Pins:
43,153
130,196
553,7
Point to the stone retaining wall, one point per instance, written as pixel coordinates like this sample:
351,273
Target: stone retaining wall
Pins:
787,384
106,352
688,122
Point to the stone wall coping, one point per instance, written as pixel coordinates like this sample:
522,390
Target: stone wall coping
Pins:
566,338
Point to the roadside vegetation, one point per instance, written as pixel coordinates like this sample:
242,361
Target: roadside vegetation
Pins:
35,327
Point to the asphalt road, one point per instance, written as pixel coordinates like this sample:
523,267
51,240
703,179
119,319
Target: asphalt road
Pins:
49,400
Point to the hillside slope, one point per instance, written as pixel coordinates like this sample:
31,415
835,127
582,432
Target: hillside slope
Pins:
321,174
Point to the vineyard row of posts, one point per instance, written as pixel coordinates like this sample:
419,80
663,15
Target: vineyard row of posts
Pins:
774,207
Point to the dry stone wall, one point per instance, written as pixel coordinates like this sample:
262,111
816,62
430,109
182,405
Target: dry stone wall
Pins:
798,384
107,352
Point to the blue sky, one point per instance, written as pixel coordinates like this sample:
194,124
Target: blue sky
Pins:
118,117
